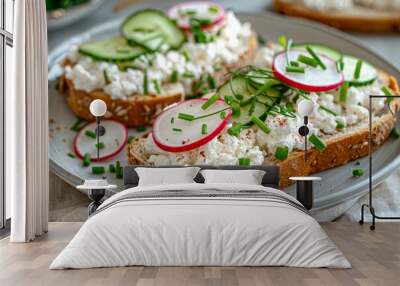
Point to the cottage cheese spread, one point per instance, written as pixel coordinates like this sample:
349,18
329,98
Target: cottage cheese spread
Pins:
191,62
323,5
380,4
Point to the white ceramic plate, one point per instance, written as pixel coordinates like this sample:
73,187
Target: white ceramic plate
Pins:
337,184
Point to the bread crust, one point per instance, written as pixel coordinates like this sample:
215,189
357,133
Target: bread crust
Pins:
340,149
358,19
138,110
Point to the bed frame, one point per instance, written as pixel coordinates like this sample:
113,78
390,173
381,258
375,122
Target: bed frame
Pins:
271,177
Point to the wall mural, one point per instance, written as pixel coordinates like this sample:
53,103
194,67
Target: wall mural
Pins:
198,84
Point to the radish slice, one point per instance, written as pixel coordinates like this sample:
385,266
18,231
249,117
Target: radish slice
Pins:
199,10
114,140
313,79
177,135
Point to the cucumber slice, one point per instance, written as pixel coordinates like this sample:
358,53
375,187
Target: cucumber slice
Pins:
368,73
149,27
236,87
114,49
320,49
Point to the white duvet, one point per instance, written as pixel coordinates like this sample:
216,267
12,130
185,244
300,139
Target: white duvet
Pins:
188,231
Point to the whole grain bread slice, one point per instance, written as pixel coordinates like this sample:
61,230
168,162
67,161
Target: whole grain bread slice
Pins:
140,110
358,18
340,148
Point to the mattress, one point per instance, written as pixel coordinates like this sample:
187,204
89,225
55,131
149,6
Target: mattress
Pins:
201,225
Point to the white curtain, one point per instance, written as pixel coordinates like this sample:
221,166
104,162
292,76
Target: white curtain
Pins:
27,172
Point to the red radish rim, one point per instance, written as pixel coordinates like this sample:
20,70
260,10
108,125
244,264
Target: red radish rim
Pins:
305,87
102,158
205,27
195,144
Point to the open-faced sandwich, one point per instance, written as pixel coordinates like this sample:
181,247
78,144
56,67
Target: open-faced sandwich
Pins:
253,117
157,60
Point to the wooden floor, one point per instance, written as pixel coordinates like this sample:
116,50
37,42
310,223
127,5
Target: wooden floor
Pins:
375,257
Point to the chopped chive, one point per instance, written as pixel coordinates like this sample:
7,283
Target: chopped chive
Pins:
130,139
253,106
118,164
287,48
86,159
141,128
339,124
176,129
290,106
295,69
281,153
357,70
330,111
145,82
190,12
98,170
186,56
257,121
235,109
204,129
358,173
340,64
119,172
260,39
307,61
213,9
395,133
106,78
244,161
172,120
71,155
90,133
343,91
157,86
77,125
318,143
235,129
294,63
174,76
111,168
185,116
188,74
222,115
282,41
211,82
315,57
101,145
387,92
210,101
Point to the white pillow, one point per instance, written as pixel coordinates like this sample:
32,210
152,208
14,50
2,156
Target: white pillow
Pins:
248,177
166,176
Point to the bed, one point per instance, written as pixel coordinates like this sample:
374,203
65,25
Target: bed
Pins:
201,224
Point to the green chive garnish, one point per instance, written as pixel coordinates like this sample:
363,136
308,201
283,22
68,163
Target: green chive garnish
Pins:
172,120
71,155
387,92
141,128
188,74
294,63
210,101
77,125
130,139
357,70
257,121
244,161
111,168
282,41
290,106
176,129
295,69
358,173
281,153
340,64
330,111
211,82
119,172
204,129
213,9
190,12
343,91
339,124
101,145
222,115
186,56
106,78
315,57
318,143
90,133
86,159
98,170
145,82
185,116
235,129
157,86
174,76
307,61
395,133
